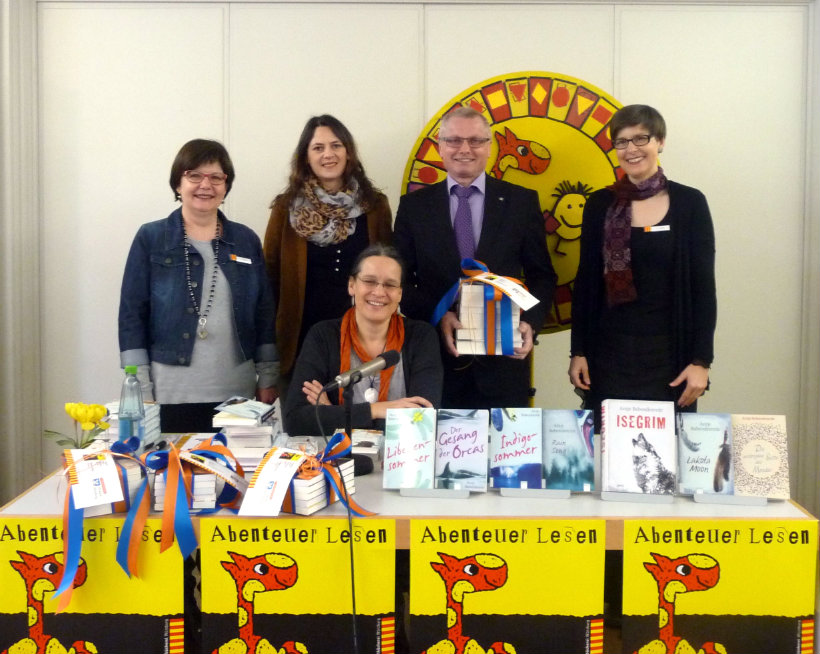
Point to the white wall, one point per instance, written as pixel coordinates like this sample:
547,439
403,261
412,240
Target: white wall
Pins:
123,85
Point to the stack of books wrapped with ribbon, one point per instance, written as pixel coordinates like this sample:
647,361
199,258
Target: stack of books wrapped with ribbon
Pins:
130,473
203,490
487,324
307,495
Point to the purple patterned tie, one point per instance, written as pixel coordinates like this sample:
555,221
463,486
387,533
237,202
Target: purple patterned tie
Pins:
463,223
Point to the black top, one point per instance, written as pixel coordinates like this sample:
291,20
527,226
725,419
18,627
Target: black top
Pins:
320,359
693,301
651,313
328,269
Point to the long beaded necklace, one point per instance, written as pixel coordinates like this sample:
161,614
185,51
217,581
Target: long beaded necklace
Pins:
201,331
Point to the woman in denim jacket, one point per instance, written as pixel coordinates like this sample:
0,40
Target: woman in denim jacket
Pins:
196,310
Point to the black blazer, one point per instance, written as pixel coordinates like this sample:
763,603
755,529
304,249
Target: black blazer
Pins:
512,243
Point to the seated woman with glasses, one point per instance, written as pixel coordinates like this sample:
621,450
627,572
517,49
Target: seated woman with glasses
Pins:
369,328
329,212
196,310
644,307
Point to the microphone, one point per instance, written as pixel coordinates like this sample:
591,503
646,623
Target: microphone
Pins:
385,360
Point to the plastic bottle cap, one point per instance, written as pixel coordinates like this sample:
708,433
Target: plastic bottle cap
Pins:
130,370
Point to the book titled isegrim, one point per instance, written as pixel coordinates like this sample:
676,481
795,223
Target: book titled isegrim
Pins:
638,452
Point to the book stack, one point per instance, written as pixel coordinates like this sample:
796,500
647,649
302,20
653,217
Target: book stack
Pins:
248,425
151,427
311,495
203,490
131,478
471,338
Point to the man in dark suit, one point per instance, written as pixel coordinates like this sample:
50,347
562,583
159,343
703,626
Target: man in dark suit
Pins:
505,229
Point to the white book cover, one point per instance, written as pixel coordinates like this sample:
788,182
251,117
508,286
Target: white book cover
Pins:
638,453
705,453
409,448
569,455
516,448
761,456
462,447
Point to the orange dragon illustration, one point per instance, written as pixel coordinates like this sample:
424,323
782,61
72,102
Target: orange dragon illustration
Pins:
527,156
42,574
462,576
684,574
253,575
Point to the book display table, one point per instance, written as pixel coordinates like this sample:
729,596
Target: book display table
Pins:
778,541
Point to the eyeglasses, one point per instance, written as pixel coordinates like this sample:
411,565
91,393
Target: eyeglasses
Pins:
196,177
639,140
456,142
370,283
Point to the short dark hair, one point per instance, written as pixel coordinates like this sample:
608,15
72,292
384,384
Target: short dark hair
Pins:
638,114
300,170
378,250
195,153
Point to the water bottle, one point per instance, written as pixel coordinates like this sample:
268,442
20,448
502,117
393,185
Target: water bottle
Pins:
132,412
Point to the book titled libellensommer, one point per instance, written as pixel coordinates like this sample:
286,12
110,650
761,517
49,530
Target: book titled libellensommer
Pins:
638,453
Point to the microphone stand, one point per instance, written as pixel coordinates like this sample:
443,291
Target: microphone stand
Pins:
347,395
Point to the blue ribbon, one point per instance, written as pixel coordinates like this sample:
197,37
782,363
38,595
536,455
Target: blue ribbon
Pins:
330,483
75,542
450,296
128,526
183,526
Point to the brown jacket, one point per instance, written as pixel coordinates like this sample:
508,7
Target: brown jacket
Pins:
286,261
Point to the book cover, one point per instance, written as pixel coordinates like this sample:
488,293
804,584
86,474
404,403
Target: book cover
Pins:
409,448
569,449
462,448
515,448
705,453
761,456
638,447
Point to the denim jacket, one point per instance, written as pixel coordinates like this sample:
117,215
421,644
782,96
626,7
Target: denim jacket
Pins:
157,321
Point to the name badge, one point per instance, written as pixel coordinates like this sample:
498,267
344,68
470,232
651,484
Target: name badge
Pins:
654,228
240,259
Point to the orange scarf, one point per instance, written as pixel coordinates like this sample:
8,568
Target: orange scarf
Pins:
350,338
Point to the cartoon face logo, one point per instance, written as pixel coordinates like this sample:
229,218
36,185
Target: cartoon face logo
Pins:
550,133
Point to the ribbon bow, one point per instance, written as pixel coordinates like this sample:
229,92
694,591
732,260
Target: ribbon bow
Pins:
74,518
324,463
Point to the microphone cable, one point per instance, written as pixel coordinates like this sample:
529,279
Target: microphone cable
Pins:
356,649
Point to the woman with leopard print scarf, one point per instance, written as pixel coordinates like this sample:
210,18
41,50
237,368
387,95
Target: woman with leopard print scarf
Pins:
329,212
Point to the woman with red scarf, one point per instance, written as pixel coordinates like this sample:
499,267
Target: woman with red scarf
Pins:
369,328
644,306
